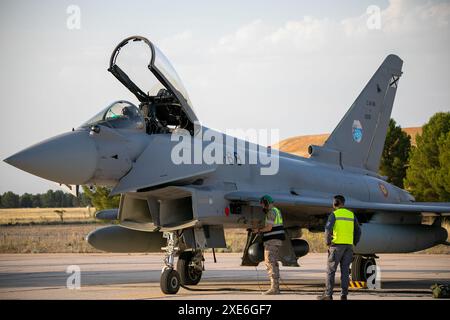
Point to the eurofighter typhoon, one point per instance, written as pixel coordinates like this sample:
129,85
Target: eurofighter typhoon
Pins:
182,184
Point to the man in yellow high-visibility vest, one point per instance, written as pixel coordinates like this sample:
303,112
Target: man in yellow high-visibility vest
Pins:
273,236
342,231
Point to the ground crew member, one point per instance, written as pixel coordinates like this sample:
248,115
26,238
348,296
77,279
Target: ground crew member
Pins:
273,236
342,231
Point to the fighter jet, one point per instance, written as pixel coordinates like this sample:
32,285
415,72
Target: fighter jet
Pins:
176,200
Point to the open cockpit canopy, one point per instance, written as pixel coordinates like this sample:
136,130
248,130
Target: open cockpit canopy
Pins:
166,105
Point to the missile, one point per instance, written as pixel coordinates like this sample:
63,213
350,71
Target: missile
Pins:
109,214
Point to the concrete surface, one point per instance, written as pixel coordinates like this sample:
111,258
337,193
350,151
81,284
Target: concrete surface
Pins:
136,276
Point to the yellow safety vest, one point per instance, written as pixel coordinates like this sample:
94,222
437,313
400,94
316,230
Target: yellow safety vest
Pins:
277,231
343,226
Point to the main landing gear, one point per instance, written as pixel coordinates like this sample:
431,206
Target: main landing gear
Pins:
189,266
361,267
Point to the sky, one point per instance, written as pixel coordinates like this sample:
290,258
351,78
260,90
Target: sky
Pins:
295,66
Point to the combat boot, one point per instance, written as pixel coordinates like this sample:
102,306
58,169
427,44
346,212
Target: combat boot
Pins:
274,288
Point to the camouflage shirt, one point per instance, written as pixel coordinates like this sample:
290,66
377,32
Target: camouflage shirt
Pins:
271,216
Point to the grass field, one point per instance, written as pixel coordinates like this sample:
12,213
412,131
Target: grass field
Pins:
45,215
42,231
41,238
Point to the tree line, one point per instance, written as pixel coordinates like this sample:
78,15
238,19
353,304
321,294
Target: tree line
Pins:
50,199
424,169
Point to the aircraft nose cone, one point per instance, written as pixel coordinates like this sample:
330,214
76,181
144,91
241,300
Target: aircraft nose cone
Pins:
70,158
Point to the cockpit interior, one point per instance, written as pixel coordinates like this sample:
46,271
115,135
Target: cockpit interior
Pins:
163,109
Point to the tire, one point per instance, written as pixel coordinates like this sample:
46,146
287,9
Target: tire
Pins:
359,267
188,275
170,281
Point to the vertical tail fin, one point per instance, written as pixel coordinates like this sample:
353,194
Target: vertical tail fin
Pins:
360,135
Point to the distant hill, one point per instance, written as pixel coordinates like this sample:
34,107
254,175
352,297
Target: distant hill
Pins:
299,145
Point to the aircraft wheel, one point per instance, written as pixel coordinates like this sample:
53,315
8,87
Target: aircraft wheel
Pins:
170,281
189,275
359,267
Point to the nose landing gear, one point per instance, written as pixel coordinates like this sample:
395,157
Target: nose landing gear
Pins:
189,266
170,279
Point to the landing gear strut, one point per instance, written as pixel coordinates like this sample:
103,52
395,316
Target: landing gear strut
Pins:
360,267
170,279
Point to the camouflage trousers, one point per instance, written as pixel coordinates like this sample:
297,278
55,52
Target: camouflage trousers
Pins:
271,257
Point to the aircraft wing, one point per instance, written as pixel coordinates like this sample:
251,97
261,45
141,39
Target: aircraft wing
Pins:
252,198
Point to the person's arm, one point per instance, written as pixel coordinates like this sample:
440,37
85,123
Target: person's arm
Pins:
356,232
267,228
329,228
269,223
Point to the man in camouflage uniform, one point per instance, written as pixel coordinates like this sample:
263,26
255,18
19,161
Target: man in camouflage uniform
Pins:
273,236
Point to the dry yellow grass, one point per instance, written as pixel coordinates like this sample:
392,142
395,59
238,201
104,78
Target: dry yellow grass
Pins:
45,215
40,230
235,239
46,238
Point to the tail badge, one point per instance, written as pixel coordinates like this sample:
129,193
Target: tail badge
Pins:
357,131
